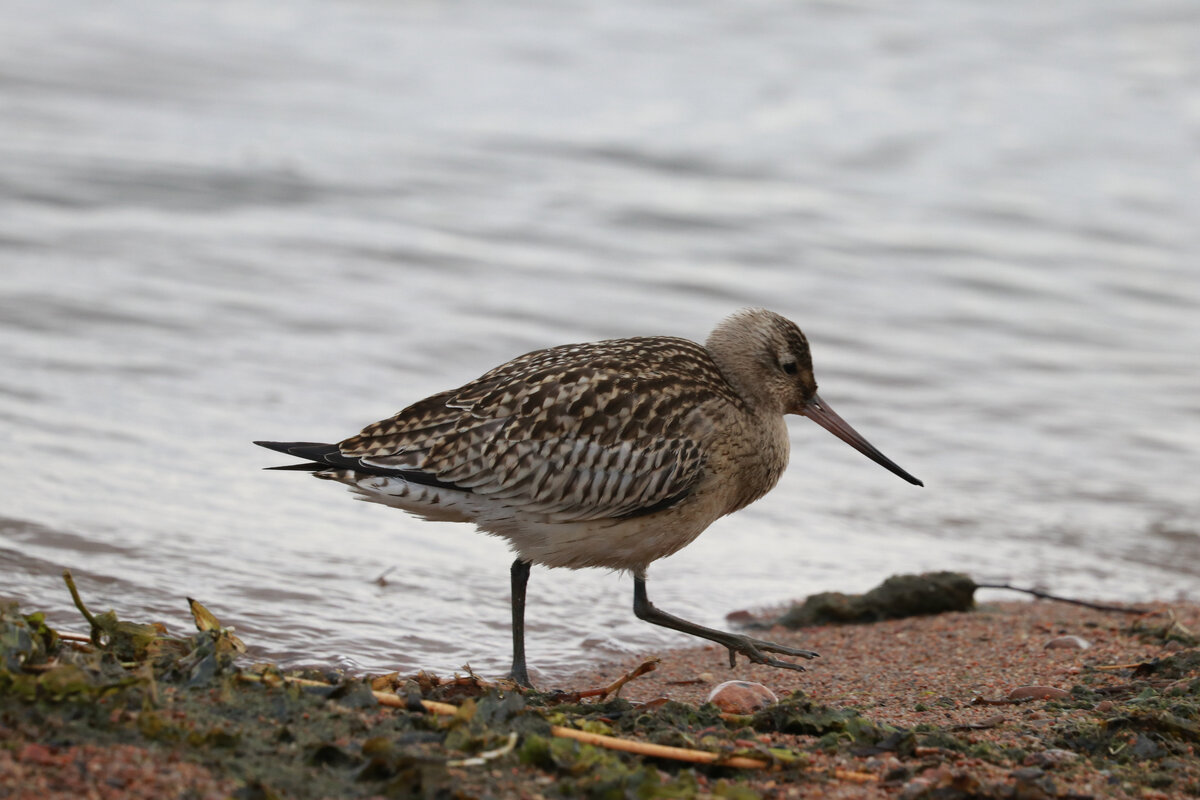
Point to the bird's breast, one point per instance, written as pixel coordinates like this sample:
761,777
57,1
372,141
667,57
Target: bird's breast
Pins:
747,463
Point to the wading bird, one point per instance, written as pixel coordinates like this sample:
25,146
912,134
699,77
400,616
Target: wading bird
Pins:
609,454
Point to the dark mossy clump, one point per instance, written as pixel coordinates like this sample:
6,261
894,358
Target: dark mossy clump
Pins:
800,715
1146,732
898,596
1151,726
185,694
1176,665
584,770
1162,632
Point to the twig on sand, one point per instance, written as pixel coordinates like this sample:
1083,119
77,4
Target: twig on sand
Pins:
656,750
1047,596
613,688
1115,667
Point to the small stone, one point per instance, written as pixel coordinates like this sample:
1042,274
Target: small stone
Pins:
741,697
1039,693
1067,643
1146,748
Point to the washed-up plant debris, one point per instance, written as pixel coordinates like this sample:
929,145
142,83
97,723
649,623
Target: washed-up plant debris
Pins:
898,596
310,734
266,733
902,596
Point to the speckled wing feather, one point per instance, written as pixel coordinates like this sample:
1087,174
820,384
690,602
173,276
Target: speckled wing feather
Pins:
578,432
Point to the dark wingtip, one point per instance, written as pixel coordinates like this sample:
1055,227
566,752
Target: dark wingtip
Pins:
313,451
319,457
307,466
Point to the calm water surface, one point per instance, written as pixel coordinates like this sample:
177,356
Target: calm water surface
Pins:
231,221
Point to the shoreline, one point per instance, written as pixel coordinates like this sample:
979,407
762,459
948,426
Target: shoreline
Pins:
934,692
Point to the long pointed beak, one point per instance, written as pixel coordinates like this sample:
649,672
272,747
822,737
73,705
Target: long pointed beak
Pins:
819,412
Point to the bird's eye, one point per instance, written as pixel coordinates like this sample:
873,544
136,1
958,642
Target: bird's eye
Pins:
789,367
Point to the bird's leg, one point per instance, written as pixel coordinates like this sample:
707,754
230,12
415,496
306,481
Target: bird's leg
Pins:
520,577
752,649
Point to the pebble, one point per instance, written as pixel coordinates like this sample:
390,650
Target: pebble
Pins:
1039,693
1067,643
741,697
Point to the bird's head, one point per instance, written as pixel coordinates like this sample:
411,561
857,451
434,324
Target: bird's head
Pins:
765,357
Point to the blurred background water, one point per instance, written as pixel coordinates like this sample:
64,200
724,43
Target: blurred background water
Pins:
226,221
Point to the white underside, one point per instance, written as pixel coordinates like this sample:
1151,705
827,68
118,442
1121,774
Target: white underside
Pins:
623,544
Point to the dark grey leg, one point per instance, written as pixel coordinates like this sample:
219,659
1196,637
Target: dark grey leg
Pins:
737,643
520,577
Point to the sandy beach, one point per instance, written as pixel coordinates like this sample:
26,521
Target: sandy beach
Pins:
950,672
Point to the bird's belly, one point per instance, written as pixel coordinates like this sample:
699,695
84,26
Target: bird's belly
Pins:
629,543
624,544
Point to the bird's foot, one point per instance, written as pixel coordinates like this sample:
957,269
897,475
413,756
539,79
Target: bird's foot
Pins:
754,649
520,677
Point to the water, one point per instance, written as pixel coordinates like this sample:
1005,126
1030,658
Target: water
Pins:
231,221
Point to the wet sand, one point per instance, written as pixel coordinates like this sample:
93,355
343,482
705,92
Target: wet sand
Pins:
944,672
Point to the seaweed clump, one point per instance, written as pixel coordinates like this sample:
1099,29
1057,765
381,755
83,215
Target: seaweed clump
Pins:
898,596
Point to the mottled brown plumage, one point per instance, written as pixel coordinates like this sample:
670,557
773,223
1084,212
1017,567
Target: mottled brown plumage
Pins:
572,433
609,454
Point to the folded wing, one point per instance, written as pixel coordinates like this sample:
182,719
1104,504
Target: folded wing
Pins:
607,430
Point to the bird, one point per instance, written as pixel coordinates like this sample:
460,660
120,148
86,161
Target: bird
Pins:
608,454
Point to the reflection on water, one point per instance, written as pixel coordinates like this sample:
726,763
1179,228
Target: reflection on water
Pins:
217,227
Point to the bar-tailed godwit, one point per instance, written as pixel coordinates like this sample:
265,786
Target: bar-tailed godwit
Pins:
609,454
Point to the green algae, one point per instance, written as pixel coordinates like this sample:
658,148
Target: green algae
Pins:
1164,632
1145,733
135,683
278,738
798,714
